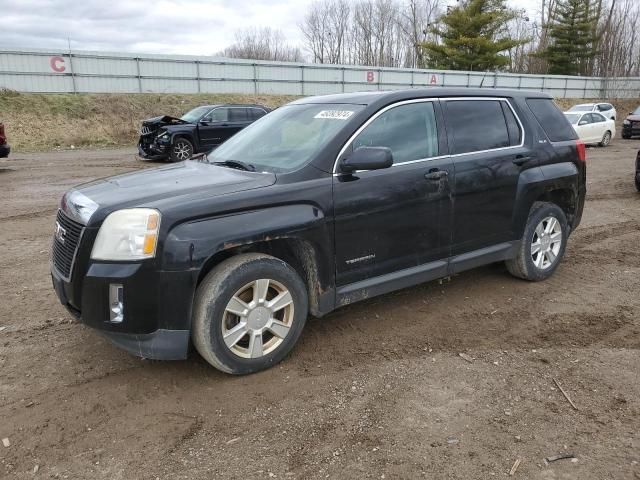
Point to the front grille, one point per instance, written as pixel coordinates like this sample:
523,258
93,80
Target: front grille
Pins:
65,243
146,130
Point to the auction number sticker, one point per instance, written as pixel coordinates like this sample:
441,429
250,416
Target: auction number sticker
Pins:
334,114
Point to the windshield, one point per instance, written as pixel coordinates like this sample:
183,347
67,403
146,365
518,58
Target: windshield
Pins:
573,118
581,108
192,116
287,138
636,111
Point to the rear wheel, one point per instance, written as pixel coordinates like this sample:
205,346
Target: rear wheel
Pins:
543,243
249,312
606,139
182,149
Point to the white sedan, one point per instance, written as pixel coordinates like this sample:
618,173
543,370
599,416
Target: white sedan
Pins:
592,128
605,109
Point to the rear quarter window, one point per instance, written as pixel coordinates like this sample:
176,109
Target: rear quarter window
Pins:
551,119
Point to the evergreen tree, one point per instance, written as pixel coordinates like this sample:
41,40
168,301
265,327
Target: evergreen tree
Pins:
473,36
573,40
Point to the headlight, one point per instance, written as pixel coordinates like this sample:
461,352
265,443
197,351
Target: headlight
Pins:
163,136
626,122
130,234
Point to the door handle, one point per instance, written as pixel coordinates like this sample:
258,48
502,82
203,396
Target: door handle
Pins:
436,175
521,159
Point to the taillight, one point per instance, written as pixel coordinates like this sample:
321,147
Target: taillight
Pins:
582,150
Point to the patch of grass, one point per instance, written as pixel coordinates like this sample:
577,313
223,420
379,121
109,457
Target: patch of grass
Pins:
37,122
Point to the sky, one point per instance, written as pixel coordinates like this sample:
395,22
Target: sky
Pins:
187,27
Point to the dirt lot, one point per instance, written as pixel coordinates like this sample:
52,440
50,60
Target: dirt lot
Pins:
375,390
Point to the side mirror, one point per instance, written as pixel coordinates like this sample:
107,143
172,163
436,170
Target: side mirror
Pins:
367,158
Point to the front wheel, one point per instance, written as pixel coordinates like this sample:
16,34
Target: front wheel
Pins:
249,312
543,243
182,149
606,139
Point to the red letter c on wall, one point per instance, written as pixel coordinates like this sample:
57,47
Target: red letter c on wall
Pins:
57,64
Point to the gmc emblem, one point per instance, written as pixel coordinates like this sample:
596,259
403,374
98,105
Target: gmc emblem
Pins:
59,233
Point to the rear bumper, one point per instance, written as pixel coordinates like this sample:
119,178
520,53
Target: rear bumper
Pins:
5,150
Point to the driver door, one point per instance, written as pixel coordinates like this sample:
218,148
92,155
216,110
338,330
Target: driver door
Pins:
213,128
398,218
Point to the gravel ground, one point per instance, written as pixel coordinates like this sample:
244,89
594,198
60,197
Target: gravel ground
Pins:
375,390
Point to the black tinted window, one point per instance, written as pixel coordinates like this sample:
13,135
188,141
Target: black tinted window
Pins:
551,119
238,115
218,115
256,113
477,125
515,132
409,130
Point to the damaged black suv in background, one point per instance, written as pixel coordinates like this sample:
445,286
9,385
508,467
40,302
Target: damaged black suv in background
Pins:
197,131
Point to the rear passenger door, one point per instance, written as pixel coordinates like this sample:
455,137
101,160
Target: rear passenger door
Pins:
486,141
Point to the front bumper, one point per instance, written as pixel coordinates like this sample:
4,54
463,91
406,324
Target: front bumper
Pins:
5,149
631,130
156,319
151,150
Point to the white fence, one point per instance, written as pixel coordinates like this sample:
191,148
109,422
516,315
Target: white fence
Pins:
33,70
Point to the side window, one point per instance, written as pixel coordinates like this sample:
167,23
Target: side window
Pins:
238,115
219,115
409,130
597,118
477,125
551,119
256,113
586,119
513,127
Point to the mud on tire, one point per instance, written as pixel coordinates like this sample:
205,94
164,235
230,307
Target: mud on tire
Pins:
546,224
233,303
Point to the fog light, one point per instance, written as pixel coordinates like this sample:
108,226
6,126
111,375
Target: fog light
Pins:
116,303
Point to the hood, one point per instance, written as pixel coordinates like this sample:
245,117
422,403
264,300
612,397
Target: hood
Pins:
634,118
164,120
93,201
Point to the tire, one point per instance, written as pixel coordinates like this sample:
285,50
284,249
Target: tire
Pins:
237,279
181,149
638,181
523,266
606,139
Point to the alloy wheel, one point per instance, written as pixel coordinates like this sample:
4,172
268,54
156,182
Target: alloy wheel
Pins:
546,243
258,318
606,139
182,150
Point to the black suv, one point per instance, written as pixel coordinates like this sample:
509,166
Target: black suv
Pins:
197,131
322,203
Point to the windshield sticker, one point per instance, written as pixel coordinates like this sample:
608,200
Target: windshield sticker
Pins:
334,114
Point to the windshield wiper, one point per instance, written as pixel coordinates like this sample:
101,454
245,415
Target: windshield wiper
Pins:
236,164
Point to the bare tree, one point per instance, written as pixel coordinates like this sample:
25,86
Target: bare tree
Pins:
262,44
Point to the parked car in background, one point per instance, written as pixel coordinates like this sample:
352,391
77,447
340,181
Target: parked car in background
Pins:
5,149
592,128
322,203
197,131
631,124
605,109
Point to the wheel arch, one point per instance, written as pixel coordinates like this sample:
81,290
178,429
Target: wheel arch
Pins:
299,253
556,183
